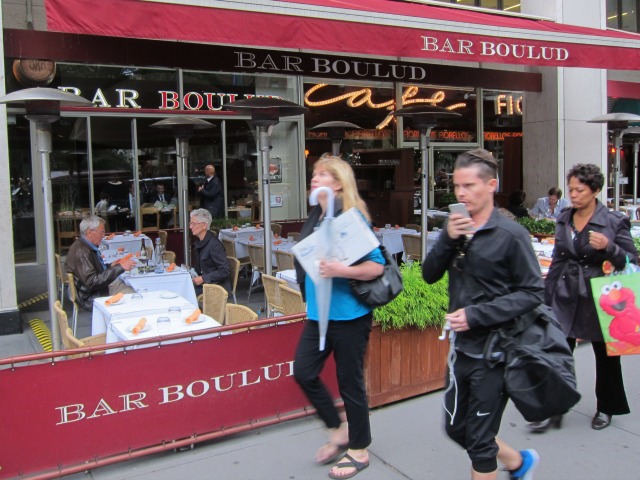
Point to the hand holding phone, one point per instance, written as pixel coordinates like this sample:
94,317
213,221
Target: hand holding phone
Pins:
459,208
459,226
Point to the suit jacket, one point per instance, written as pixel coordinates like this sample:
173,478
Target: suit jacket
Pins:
211,197
91,277
154,197
568,287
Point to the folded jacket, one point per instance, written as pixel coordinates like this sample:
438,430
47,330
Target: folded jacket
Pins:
116,298
139,326
193,317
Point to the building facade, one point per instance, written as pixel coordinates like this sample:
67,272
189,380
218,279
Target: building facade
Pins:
524,84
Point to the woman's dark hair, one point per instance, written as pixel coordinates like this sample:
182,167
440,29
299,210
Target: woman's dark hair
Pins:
555,191
517,198
588,174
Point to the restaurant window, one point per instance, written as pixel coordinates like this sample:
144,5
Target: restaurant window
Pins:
623,14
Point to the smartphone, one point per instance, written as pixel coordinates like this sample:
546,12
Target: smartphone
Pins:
459,208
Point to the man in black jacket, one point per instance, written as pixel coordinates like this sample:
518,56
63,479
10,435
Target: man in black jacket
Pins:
93,278
493,277
211,194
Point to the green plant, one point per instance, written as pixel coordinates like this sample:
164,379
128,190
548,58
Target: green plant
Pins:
220,223
419,304
636,242
538,226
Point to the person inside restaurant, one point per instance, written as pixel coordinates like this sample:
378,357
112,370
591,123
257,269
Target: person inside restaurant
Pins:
211,263
160,195
93,278
551,205
211,194
516,199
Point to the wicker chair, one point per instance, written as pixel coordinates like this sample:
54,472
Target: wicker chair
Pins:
169,257
412,247
234,268
276,228
230,249
256,255
66,232
214,300
272,294
235,314
73,296
69,340
292,300
152,217
284,260
62,279
163,237
413,226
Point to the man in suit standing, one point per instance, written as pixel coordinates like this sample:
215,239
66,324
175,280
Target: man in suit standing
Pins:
211,195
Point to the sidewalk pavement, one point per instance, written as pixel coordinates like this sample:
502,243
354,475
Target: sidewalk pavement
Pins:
409,443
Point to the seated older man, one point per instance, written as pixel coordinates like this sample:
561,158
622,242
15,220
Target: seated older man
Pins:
212,265
93,277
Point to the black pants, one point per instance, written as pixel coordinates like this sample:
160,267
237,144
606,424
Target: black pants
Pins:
610,394
479,393
348,342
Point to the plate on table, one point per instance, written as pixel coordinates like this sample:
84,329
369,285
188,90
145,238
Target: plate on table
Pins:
168,295
146,328
200,319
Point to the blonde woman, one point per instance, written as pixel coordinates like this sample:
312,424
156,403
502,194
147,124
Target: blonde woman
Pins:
347,334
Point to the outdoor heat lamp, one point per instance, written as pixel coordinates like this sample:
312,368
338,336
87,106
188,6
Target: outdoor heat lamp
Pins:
183,128
336,131
425,117
43,108
265,114
617,123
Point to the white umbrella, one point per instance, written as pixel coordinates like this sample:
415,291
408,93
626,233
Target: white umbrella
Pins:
325,243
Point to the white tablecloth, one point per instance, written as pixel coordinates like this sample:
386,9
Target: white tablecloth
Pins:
391,238
130,243
241,237
120,329
178,281
290,277
152,302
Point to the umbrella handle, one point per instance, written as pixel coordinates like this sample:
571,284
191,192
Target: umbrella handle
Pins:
313,200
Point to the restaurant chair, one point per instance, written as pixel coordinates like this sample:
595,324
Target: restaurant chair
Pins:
230,249
413,226
256,256
234,269
67,231
284,260
272,294
412,247
169,257
73,296
214,300
235,314
149,219
276,228
163,238
292,300
62,279
69,340
507,213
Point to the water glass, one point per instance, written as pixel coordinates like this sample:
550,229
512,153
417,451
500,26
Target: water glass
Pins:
127,233
163,324
387,226
175,314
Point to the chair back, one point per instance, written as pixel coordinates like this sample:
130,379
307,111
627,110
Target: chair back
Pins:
234,269
272,293
149,219
70,342
214,300
62,320
163,237
412,247
59,268
256,257
276,228
292,300
284,260
73,293
229,247
413,226
239,314
169,256
66,231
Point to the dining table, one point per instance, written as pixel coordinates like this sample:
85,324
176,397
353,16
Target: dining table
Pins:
149,303
129,243
282,244
178,281
241,237
391,238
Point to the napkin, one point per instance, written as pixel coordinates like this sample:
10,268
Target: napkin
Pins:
193,317
138,233
126,257
139,326
277,242
114,299
171,267
120,249
251,238
110,236
544,261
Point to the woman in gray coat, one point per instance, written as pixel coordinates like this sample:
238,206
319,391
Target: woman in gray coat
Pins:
587,235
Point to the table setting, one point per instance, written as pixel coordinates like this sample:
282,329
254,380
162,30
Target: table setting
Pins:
126,242
391,237
174,279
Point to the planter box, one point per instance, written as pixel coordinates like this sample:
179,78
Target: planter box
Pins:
404,363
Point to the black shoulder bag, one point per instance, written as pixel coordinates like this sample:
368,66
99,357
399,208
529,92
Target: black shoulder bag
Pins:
381,290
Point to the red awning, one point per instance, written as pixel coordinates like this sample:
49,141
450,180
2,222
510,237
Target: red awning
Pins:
378,28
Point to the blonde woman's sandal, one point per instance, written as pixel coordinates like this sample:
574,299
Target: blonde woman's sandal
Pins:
349,462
